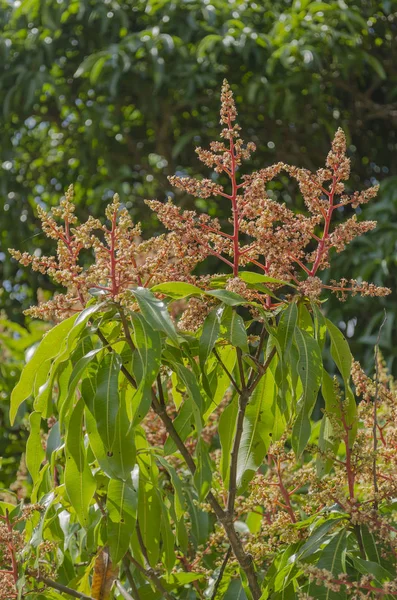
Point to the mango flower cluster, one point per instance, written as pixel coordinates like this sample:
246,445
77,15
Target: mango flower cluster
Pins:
264,234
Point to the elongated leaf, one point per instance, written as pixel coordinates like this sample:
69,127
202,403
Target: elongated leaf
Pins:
177,289
331,559
79,481
203,474
168,540
233,328
184,425
209,336
226,430
121,503
34,448
229,298
327,441
155,312
342,356
286,327
148,344
45,378
149,518
366,567
251,277
104,575
320,325
340,351
74,380
106,400
194,397
179,499
219,379
318,537
47,349
310,372
257,430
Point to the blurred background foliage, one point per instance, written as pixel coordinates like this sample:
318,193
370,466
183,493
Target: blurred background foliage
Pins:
114,95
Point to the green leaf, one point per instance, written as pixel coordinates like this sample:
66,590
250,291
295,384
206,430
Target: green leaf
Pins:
47,349
229,298
74,380
233,328
342,356
220,378
97,69
106,399
331,559
318,537
168,540
184,425
177,289
320,325
208,336
122,506
310,372
79,481
286,327
34,447
44,382
155,312
148,349
194,397
340,351
235,591
226,431
203,475
327,441
179,499
257,430
149,518
251,277
366,567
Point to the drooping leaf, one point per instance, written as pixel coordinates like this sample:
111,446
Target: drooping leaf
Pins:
148,344
79,481
47,349
257,430
121,503
149,519
34,446
208,336
340,350
155,312
177,289
105,572
226,430
203,474
179,499
184,425
310,372
106,399
233,328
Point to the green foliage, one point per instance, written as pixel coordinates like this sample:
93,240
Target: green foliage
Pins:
153,505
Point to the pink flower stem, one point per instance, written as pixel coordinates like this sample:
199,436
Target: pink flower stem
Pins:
327,222
234,202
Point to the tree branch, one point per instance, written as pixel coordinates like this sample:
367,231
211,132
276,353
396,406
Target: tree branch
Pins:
151,576
61,588
221,572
